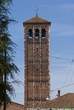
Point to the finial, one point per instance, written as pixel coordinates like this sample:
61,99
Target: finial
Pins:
37,12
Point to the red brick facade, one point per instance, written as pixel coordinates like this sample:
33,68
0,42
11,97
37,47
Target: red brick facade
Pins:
37,88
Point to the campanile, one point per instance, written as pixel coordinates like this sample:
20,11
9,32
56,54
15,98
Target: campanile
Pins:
37,62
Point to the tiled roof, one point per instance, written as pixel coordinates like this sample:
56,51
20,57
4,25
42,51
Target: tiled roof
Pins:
35,20
13,106
65,101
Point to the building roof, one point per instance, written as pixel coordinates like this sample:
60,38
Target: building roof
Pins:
13,106
36,20
65,101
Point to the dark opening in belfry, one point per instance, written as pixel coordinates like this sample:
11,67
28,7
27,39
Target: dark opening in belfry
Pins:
43,33
37,32
30,33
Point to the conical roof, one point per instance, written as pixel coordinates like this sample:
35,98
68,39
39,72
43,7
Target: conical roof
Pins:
36,20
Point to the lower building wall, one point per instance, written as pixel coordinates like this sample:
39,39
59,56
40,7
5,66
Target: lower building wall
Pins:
61,109
38,108
15,106
50,109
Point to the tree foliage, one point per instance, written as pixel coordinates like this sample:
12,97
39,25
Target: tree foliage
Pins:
7,47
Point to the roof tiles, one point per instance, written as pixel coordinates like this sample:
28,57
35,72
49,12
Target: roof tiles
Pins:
36,20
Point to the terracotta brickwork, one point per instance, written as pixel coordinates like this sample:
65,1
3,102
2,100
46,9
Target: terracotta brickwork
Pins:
37,78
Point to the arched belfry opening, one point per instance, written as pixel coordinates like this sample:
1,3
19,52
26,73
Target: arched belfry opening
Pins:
43,32
30,33
37,32
37,71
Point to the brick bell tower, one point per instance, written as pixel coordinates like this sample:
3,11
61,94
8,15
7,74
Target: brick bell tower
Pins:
37,62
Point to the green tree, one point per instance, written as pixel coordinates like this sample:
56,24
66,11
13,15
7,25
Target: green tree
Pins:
7,47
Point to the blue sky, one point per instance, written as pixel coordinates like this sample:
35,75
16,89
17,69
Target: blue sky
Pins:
61,14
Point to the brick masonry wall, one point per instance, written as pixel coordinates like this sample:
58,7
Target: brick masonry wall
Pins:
41,88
